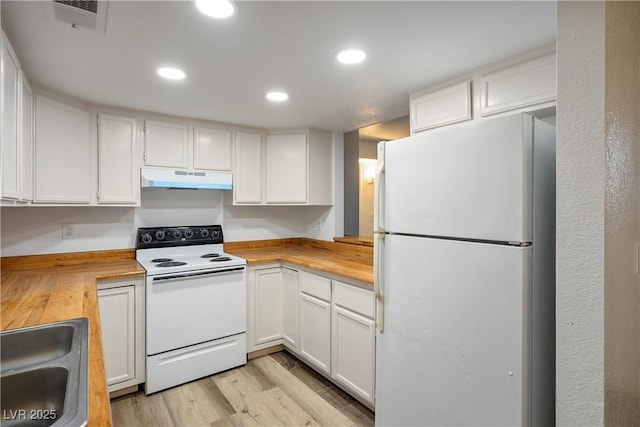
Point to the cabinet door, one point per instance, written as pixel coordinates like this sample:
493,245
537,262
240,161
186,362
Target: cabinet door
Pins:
286,169
290,311
118,168
268,305
26,140
442,107
62,153
212,149
10,147
315,331
353,352
522,85
166,144
117,317
247,186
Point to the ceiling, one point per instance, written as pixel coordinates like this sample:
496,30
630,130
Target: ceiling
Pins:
268,45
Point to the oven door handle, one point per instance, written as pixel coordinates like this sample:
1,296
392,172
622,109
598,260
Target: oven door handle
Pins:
197,274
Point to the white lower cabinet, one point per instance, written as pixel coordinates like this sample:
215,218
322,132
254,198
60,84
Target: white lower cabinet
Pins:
315,332
121,304
327,323
272,309
268,305
290,308
353,339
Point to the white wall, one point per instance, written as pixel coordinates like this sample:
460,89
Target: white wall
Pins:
38,230
580,214
598,213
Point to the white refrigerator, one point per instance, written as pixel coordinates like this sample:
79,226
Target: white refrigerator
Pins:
464,260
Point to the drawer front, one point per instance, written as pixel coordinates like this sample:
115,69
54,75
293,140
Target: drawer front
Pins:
355,299
319,287
179,366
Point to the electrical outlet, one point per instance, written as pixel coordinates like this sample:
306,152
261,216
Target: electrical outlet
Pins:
68,231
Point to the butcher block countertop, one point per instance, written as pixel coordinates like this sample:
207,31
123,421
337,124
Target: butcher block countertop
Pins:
350,261
49,288
355,240
41,289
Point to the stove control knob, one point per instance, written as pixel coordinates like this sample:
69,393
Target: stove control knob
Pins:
188,234
159,234
215,233
146,238
204,232
177,234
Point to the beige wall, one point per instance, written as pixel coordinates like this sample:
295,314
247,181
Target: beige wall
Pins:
598,213
366,199
622,214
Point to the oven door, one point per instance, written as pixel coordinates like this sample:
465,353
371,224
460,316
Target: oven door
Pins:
190,308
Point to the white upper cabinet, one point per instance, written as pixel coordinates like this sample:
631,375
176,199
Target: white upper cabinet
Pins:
17,129
286,169
10,112
441,107
63,161
525,84
166,144
26,140
289,168
178,145
212,149
247,186
118,160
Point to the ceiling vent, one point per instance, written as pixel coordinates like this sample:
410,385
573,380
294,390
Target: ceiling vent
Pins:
91,14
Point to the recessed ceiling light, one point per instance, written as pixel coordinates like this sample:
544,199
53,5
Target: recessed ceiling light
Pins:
277,96
350,56
216,8
171,73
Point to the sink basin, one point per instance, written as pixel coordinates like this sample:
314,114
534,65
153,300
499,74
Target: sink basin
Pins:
27,347
38,394
44,374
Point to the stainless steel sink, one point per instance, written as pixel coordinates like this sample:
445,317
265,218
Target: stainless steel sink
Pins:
44,374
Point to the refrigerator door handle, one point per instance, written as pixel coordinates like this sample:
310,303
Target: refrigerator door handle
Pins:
378,275
378,200
378,233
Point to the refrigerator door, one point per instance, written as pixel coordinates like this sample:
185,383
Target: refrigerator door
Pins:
471,181
452,349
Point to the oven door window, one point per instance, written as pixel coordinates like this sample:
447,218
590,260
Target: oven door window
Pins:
189,309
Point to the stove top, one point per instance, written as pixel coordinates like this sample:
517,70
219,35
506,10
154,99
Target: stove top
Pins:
165,237
163,250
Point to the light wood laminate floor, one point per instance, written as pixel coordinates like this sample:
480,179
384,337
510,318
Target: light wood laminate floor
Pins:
274,390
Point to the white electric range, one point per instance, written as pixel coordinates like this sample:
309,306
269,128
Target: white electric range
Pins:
195,304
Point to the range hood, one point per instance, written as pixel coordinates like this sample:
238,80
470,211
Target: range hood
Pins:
169,178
